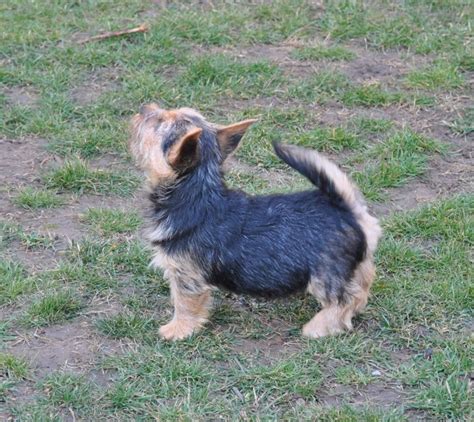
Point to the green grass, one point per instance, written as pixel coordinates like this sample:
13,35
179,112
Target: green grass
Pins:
326,139
107,222
30,198
67,390
369,96
325,86
421,27
257,146
128,326
464,125
449,400
77,176
53,308
396,160
14,281
12,366
12,370
368,126
321,87
439,76
223,75
252,184
93,280
111,256
350,375
30,240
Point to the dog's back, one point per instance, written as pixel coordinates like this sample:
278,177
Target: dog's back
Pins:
275,245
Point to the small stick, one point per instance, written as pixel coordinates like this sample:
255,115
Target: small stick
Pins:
142,28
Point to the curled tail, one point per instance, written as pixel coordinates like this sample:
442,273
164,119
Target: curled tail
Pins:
334,183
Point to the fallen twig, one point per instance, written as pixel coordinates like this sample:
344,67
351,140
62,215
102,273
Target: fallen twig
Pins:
142,28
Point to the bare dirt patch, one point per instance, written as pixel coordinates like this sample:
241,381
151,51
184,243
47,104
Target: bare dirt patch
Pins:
94,85
377,393
72,347
24,96
22,160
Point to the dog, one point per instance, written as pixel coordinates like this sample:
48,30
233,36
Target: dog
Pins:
206,236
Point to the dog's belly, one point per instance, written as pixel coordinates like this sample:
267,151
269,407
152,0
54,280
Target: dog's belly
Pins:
263,282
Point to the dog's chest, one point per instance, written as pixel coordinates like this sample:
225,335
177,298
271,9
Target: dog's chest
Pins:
180,268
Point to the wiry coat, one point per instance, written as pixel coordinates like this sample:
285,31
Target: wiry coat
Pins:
206,235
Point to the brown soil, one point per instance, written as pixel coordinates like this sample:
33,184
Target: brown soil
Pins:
23,96
94,85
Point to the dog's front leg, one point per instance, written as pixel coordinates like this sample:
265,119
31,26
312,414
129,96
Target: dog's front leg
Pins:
191,310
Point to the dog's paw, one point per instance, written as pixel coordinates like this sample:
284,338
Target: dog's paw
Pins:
317,329
309,330
176,330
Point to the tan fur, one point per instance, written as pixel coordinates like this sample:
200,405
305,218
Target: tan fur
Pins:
190,295
226,133
191,312
180,269
317,289
146,141
346,188
145,146
335,318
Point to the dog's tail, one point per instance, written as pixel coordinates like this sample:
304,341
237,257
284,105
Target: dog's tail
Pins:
334,183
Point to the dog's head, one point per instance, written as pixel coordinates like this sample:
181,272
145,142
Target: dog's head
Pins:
169,143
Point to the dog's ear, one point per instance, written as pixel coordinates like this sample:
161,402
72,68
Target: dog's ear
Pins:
230,136
184,153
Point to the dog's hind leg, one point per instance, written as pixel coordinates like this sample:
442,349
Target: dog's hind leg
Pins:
336,317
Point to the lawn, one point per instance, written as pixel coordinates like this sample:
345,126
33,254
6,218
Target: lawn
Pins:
383,88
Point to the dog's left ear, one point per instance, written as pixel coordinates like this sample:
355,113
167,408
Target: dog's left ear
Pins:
184,153
230,136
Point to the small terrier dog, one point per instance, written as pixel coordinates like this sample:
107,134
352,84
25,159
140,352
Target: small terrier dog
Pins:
206,236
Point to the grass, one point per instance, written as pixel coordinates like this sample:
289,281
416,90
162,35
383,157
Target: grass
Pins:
128,326
12,370
264,60
12,366
110,221
399,158
14,281
326,139
30,240
112,256
253,184
436,77
92,280
368,126
369,96
67,390
326,86
320,87
463,124
76,176
30,198
225,75
52,308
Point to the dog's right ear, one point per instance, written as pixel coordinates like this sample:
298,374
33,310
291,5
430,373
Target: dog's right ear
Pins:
229,136
184,153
